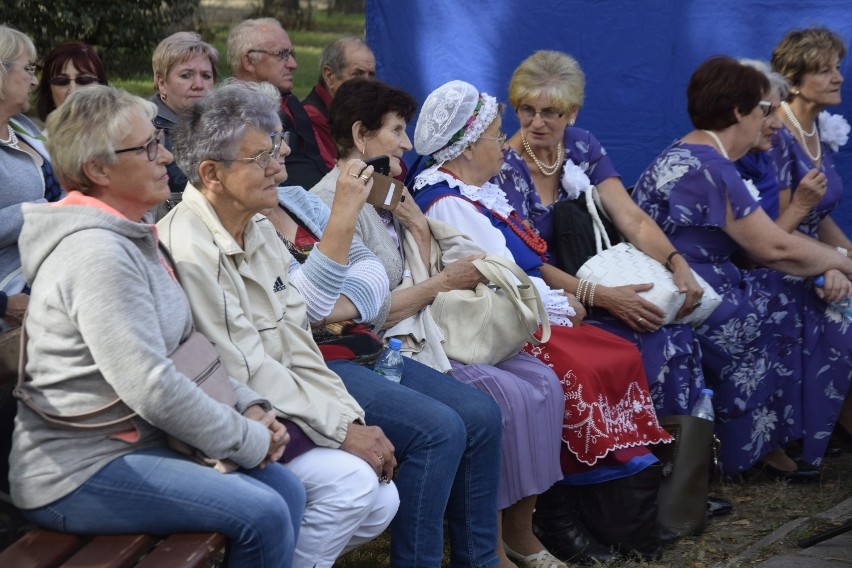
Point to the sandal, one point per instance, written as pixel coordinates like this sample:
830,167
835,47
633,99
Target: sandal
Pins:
541,559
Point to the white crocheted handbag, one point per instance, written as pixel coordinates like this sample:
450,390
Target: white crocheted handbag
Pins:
624,264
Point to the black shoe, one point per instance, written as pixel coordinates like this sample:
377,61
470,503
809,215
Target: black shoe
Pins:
717,507
804,473
574,543
556,523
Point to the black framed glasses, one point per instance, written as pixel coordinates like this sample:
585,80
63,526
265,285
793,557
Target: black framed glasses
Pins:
501,139
264,158
152,146
282,54
81,80
766,107
527,112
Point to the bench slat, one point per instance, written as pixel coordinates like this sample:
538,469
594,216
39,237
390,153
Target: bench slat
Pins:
112,551
185,550
41,548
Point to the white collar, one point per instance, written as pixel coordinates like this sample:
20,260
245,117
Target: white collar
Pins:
489,194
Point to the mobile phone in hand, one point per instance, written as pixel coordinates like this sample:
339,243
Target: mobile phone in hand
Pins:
381,164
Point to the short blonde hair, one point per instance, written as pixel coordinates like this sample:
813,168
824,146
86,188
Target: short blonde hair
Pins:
179,47
88,126
13,44
553,74
805,51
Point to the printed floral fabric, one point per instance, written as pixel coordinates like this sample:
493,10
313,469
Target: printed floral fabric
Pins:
672,354
793,163
778,360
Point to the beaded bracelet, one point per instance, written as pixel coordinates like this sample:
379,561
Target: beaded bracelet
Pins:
592,296
669,258
582,287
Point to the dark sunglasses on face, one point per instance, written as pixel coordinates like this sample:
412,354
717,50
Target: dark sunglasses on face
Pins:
81,80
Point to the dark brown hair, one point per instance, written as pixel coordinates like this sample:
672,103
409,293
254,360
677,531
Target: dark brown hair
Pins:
83,57
718,87
369,101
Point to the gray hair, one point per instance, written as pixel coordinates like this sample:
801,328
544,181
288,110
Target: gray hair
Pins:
334,55
242,38
13,44
213,127
88,126
777,82
179,47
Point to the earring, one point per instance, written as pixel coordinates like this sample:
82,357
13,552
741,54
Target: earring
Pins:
571,122
794,92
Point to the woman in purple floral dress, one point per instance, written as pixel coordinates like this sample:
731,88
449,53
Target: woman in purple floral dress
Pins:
549,160
780,367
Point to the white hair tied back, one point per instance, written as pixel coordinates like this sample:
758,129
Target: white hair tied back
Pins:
454,108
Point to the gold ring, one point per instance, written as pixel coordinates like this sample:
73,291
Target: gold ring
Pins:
640,320
356,176
365,178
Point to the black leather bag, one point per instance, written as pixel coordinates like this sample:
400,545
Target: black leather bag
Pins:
574,234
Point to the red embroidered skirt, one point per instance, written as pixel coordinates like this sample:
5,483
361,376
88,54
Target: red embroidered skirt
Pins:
608,408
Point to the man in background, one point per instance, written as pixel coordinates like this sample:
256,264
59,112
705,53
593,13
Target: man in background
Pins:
260,50
340,61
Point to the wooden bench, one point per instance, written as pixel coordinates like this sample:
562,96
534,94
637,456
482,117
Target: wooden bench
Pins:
40,548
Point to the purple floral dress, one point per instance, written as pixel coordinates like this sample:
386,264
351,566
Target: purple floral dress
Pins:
780,363
793,164
672,354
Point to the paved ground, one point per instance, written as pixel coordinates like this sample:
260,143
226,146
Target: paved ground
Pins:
832,553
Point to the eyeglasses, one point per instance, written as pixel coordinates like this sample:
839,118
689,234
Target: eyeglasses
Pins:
81,80
152,146
282,54
527,112
766,107
501,139
264,158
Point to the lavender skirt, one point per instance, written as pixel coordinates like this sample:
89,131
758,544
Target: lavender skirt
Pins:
530,396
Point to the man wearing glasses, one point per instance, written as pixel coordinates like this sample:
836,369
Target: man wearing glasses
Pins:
260,50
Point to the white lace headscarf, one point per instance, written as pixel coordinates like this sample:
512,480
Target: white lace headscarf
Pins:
453,117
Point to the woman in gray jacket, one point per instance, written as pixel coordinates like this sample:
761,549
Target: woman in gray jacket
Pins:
105,314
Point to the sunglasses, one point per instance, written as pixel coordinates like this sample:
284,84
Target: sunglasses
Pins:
151,147
81,80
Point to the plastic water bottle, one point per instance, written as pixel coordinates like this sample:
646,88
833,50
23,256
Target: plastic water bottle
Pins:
389,363
704,405
843,306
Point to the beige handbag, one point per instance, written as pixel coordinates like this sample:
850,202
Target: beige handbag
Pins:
488,326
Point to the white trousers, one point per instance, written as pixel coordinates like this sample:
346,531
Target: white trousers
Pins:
346,506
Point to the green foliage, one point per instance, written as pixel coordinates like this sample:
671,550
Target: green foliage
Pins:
123,33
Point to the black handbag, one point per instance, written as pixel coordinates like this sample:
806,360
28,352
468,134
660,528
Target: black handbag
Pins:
574,234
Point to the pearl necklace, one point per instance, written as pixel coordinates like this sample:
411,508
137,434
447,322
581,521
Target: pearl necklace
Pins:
804,135
12,141
542,167
718,142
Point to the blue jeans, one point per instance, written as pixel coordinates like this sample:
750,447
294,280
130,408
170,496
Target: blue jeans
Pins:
447,437
158,491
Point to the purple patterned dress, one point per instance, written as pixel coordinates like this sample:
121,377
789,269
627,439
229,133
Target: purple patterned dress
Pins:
672,354
793,164
780,365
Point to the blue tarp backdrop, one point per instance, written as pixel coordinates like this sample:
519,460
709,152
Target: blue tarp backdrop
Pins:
637,56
